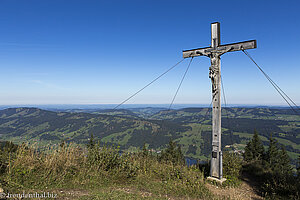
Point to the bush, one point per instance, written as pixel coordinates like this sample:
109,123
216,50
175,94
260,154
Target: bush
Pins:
204,168
232,166
34,169
278,185
111,160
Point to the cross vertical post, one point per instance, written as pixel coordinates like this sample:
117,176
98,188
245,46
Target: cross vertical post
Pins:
214,52
215,76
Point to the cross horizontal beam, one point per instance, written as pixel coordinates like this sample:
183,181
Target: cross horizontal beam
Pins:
251,44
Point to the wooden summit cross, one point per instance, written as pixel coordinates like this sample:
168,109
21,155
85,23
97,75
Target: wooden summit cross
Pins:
214,53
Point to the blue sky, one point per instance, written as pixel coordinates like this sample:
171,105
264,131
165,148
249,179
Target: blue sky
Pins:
96,52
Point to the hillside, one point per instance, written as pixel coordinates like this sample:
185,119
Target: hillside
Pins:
238,125
47,127
128,129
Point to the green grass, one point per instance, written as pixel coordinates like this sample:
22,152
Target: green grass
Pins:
249,136
193,137
293,155
113,138
286,128
287,142
102,173
288,117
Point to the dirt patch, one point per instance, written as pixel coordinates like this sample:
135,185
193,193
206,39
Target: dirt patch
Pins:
133,191
241,192
70,193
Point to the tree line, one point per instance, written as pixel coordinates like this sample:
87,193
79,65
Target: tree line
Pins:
271,168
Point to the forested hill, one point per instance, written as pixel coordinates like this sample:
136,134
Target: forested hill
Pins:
47,127
132,128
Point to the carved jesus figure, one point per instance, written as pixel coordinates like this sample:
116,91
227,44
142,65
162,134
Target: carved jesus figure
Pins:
213,72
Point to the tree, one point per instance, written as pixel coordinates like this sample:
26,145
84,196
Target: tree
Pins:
62,144
173,153
145,150
248,155
298,169
180,156
258,147
272,153
254,149
91,142
277,160
284,166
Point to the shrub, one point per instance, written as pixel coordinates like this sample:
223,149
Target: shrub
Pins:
204,168
33,169
232,166
111,160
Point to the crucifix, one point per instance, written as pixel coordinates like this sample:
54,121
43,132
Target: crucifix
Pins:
214,52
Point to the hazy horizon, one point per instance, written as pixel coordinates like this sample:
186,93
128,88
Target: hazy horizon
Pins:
130,106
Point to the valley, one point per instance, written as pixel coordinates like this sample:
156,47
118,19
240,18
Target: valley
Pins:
132,128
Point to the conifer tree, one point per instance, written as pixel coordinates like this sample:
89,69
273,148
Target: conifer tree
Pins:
284,166
272,153
91,142
254,149
180,155
248,155
62,144
173,153
277,159
257,146
145,150
298,169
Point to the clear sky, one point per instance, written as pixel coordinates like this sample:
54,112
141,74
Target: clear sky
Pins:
94,52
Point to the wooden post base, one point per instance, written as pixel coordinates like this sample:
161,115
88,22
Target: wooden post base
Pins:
220,181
